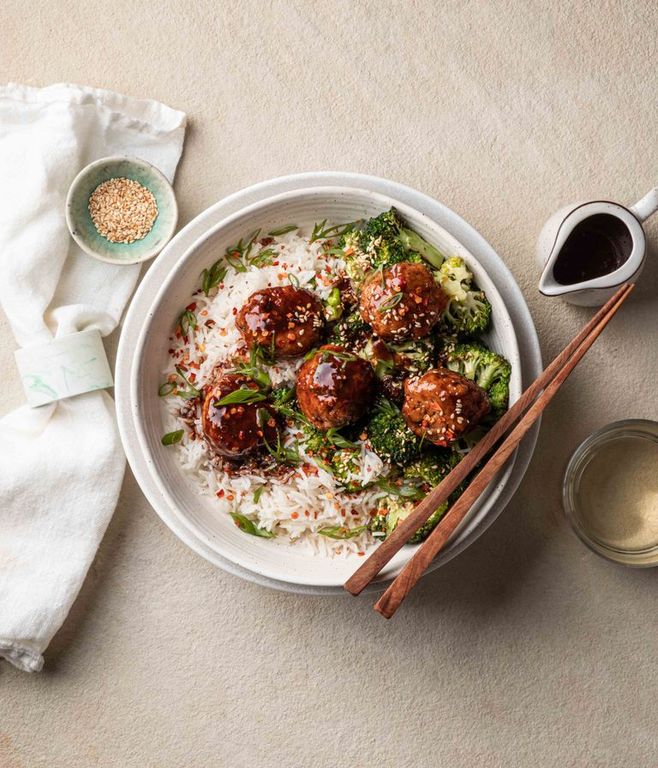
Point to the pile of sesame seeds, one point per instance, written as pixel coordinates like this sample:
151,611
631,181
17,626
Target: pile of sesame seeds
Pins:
122,210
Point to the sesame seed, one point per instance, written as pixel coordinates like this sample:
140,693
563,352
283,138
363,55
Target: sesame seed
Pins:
122,210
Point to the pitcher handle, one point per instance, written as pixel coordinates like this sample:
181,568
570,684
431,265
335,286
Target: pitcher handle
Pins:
647,206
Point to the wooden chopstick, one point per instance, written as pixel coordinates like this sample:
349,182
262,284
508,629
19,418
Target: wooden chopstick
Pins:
403,532
390,601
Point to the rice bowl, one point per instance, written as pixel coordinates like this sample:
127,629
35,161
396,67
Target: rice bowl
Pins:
198,512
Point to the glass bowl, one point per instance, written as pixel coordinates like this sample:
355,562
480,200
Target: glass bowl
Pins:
637,555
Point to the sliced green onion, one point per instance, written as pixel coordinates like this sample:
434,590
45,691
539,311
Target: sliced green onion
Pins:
338,440
233,260
344,356
248,526
341,532
283,230
263,258
212,277
293,280
192,391
321,231
242,395
172,437
186,321
387,306
166,389
258,493
383,368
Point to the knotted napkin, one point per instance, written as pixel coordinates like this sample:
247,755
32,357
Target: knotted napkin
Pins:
61,465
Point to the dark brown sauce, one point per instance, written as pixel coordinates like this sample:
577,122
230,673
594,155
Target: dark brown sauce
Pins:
597,246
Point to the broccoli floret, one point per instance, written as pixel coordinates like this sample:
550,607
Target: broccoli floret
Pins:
393,510
381,242
357,262
390,437
430,524
282,396
465,443
431,468
423,473
346,468
412,241
377,523
397,241
487,369
387,226
414,357
468,311
408,358
350,332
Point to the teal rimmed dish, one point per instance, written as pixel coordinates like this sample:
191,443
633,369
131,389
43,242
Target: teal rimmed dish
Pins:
82,228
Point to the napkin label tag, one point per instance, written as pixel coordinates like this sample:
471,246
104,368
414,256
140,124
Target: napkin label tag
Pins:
64,367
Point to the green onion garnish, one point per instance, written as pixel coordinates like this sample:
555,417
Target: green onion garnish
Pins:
172,437
283,230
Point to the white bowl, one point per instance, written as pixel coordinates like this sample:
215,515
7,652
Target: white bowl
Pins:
178,500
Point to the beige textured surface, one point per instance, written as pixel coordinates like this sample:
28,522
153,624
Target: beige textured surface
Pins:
526,650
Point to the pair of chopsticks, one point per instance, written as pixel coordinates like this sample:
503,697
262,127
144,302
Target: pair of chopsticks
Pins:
533,401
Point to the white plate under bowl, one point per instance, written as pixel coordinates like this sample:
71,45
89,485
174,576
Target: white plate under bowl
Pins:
278,559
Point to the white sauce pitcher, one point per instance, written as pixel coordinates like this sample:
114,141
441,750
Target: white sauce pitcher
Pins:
587,250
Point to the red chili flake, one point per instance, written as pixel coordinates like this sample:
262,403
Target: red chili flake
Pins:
307,513
230,497
294,515
360,554
234,310
191,307
220,493
170,351
192,376
275,263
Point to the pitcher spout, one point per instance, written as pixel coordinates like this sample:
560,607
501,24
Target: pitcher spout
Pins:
549,286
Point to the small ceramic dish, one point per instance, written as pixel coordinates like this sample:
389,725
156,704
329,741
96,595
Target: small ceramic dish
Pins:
82,228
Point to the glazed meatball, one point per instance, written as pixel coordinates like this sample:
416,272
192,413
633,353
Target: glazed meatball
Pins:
334,387
442,405
403,302
287,319
236,430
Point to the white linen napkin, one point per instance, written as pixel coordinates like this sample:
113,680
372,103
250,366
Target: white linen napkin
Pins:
61,465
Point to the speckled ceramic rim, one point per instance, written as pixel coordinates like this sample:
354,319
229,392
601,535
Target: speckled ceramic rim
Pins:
450,221
140,254
644,428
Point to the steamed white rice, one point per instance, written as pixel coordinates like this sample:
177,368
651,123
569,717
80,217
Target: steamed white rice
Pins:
309,499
